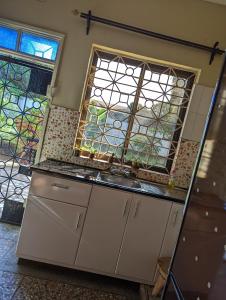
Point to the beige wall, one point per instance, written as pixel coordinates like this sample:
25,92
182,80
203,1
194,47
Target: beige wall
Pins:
194,20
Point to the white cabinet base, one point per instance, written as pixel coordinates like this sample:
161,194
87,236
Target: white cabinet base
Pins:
50,262
110,232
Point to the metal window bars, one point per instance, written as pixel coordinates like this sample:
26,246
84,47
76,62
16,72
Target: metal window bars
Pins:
133,110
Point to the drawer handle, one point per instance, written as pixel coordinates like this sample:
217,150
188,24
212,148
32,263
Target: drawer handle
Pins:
78,221
175,218
60,186
136,208
125,207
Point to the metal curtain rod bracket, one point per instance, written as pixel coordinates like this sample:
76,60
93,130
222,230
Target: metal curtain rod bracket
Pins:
212,50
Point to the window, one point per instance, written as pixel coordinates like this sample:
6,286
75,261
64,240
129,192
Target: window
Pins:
29,59
8,38
133,110
38,46
33,44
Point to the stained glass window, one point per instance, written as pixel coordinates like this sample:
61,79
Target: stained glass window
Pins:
39,46
33,44
8,38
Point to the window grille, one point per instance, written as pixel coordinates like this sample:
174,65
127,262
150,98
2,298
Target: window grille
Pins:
133,110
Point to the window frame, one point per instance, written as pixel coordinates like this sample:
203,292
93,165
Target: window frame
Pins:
23,28
54,65
136,60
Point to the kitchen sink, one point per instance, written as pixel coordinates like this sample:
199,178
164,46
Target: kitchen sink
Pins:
151,187
139,184
80,171
119,180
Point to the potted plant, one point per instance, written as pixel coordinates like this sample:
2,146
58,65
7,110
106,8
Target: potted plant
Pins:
84,151
111,158
135,165
92,153
77,152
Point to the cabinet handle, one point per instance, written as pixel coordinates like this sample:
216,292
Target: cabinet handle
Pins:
125,207
60,186
136,208
175,218
78,221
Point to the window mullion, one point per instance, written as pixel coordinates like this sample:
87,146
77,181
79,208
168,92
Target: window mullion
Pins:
18,40
133,112
86,100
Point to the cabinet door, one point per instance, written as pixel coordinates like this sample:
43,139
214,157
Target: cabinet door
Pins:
143,238
50,230
172,231
103,229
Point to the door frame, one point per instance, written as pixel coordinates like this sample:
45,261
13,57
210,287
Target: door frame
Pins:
59,37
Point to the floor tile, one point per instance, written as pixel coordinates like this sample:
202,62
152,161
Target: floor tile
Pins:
9,283
5,247
9,262
54,281
9,232
70,276
146,293
38,289
81,293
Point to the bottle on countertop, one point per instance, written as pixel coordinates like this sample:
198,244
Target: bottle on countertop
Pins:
171,182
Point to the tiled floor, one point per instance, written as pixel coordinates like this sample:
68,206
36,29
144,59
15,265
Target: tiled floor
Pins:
29,280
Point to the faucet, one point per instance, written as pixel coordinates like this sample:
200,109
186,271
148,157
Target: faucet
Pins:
115,170
121,171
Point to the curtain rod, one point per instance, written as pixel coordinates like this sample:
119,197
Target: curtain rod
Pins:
212,50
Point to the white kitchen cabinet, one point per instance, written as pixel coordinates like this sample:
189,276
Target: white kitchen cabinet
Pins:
98,229
103,229
50,231
143,237
173,229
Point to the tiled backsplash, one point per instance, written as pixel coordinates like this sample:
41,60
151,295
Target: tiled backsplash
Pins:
185,162
60,133
60,136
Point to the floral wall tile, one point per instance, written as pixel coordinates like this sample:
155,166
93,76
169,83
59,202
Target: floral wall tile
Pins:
185,163
60,133
59,141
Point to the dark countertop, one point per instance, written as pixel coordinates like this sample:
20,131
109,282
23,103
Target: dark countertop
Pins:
95,176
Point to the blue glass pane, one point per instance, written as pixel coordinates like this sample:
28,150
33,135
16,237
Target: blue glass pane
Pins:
8,38
38,46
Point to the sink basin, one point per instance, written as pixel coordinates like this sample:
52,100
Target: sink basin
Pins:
150,187
79,171
119,180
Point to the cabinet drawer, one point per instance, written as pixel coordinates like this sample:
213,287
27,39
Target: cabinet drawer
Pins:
57,188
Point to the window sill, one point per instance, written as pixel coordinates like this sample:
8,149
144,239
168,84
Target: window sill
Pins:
144,174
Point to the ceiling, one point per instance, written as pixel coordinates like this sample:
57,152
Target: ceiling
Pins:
223,2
